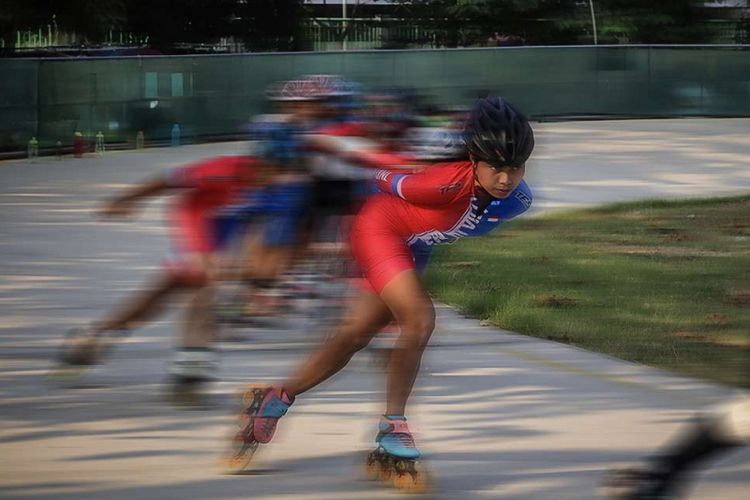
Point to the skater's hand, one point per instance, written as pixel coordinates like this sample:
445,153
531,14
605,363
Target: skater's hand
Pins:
117,209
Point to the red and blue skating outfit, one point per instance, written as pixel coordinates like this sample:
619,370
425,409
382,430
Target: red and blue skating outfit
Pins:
209,185
396,229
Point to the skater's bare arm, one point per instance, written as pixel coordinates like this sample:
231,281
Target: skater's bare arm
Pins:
126,204
360,152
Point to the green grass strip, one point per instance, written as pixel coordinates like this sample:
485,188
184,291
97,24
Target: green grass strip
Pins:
663,283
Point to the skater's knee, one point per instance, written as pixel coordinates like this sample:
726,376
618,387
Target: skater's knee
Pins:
413,342
183,276
350,343
416,330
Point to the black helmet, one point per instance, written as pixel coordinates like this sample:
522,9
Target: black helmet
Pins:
498,133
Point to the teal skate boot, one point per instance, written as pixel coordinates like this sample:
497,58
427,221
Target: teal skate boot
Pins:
263,406
396,460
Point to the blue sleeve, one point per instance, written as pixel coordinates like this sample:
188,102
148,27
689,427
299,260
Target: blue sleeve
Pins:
287,199
227,229
273,199
517,203
261,201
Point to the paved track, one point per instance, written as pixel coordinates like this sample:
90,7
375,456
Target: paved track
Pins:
500,415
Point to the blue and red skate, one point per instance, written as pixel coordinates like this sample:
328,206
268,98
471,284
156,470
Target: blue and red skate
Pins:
263,406
395,460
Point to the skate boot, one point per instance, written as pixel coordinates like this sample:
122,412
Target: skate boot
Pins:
396,458
81,348
191,370
639,483
263,407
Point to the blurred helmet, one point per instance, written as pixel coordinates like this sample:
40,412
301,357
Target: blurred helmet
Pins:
498,133
294,90
339,93
325,86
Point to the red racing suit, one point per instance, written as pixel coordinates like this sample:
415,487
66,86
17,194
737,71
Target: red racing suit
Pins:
396,229
208,185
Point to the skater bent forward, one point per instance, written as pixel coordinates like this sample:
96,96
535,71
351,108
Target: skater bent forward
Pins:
391,239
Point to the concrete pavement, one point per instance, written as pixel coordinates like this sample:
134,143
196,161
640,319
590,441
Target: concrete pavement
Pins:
500,415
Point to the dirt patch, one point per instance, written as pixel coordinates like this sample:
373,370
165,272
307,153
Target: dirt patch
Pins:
716,341
717,319
489,288
662,251
698,337
567,339
664,230
680,237
462,265
738,228
556,301
542,259
739,298
727,342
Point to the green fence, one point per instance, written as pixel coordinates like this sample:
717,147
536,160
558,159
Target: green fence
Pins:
216,95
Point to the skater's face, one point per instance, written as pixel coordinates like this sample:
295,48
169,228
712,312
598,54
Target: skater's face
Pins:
499,182
305,110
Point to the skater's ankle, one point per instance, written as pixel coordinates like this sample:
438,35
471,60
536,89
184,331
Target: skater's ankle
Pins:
286,396
394,417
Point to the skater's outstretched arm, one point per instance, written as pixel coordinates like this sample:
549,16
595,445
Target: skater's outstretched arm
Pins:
361,153
205,176
124,205
435,186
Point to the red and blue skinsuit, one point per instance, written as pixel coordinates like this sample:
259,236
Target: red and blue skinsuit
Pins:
209,185
396,229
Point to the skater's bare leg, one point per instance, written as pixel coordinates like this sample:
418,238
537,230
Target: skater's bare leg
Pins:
196,273
199,327
195,361
415,315
365,318
144,306
266,262
262,268
273,261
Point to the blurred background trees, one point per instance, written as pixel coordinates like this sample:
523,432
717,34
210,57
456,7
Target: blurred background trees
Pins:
178,26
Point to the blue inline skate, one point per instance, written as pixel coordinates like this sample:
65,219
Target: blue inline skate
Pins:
263,406
396,460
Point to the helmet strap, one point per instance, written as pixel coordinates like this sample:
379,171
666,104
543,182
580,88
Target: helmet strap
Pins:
474,165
